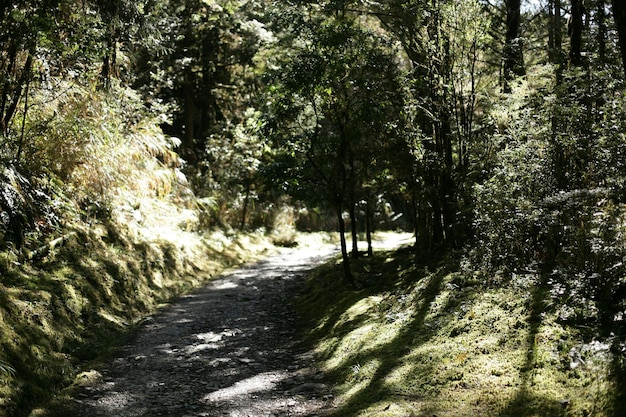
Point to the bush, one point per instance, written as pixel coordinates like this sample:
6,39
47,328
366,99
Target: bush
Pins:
553,204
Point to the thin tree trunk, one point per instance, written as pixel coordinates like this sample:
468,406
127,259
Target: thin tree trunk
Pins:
347,273
556,52
189,116
601,17
20,147
340,198
246,202
354,231
352,202
619,14
17,93
368,229
415,218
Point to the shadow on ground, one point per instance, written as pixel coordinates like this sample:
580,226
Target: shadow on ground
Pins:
230,348
422,338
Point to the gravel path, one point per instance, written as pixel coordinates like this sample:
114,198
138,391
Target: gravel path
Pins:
228,349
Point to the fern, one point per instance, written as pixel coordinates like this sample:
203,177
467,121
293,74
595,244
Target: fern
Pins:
6,369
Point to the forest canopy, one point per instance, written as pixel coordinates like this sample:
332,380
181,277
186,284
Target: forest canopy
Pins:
493,126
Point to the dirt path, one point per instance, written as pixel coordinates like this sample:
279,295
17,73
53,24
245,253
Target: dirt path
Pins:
229,349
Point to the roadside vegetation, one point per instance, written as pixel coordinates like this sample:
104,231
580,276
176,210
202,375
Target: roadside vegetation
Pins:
98,252
59,316
145,145
427,337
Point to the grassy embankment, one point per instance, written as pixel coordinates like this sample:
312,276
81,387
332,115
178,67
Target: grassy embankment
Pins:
105,181
72,306
424,338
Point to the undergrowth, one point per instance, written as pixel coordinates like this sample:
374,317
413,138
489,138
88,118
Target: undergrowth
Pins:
423,338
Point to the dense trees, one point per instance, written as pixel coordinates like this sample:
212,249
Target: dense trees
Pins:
494,124
339,106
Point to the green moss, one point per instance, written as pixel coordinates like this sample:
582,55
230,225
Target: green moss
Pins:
75,306
426,339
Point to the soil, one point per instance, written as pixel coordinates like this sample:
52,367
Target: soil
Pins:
232,348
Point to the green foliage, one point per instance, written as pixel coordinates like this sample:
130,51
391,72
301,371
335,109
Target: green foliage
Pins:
337,97
210,80
230,175
553,203
388,106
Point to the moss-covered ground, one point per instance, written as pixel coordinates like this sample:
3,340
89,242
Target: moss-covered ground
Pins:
80,301
424,338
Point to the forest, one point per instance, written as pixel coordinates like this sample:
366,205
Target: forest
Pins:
494,130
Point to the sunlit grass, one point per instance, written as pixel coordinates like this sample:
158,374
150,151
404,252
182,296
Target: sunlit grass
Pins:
425,339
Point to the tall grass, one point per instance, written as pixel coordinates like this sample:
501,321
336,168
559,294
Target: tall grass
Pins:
99,143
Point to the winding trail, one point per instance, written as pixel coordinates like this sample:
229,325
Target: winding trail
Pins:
228,349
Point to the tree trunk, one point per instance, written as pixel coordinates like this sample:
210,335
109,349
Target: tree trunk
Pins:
513,55
416,220
246,202
368,229
619,14
354,231
575,32
341,185
11,98
347,273
352,202
189,116
601,17
446,189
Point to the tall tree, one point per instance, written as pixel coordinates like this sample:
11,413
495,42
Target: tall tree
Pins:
513,56
619,14
337,97
555,35
575,33
602,30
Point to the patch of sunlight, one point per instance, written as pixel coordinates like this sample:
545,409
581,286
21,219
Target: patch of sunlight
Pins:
258,383
201,347
209,337
225,285
87,378
112,318
364,307
359,377
114,401
395,407
360,341
61,274
389,240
